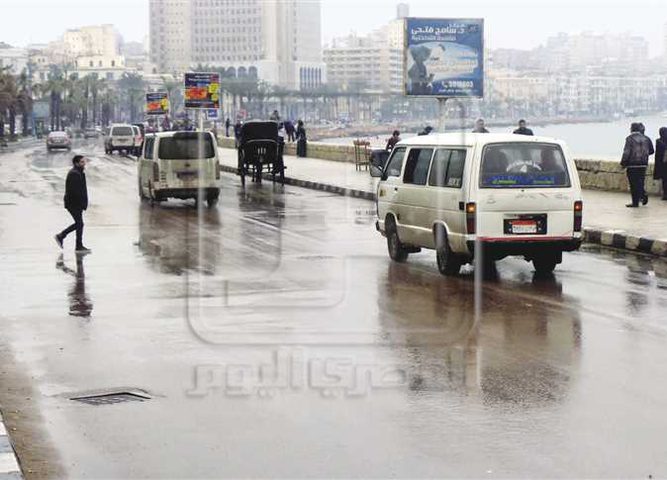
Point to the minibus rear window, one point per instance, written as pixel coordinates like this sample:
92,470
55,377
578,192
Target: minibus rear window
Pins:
523,165
122,131
186,147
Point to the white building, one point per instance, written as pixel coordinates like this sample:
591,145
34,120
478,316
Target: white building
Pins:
106,67
279,41
371,62
86,41
15,58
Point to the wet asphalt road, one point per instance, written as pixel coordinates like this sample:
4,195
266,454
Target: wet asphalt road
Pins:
276,339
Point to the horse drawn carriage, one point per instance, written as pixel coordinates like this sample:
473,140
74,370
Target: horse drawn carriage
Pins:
260,150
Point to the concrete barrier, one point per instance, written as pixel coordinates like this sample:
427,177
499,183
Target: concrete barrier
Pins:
593,174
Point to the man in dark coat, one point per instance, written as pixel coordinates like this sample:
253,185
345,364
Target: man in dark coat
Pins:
660,171
638,147
523,130
76,202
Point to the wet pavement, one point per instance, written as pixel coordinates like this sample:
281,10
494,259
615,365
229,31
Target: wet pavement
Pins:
275,338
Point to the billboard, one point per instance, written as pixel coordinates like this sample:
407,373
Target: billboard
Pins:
157,103
202,90
444,57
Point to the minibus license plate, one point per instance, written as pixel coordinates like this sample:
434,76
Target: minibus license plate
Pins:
187,176
523,227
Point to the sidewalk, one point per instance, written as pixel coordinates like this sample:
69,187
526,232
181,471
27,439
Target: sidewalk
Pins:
606,219
9,467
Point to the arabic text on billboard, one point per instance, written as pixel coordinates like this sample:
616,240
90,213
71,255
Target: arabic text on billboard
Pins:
202,90
157,103
444,57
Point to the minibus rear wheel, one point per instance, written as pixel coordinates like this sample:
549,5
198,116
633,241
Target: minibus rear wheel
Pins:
397,250
449,263
545,264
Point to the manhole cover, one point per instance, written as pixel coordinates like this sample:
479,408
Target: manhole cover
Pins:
109,398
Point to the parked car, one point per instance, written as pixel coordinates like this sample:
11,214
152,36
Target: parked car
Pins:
493,195
120,138
179,165
58,140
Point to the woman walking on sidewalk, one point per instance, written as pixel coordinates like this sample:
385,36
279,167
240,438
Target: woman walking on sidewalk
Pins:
660,168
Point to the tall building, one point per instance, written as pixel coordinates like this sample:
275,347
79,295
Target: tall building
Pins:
277,41
371,62
169,33
95,40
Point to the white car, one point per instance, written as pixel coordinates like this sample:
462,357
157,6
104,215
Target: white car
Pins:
179,165
467,194
120,138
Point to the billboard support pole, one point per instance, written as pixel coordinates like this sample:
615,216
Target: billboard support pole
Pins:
442,113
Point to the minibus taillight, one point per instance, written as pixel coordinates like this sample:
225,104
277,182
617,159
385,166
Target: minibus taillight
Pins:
471,218
156,173
217,170
578,215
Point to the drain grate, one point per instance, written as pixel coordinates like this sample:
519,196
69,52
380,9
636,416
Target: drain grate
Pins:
109,398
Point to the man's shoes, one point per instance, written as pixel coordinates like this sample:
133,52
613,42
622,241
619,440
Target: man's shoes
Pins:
82,250
664,198
58,240
645,200
632,205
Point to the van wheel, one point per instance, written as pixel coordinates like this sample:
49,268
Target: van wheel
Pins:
141,191
449,263
212,200
397,250
545,264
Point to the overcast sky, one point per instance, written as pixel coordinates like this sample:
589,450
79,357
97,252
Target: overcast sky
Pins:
509,23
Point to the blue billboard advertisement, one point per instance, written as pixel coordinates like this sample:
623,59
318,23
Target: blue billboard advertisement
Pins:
444,57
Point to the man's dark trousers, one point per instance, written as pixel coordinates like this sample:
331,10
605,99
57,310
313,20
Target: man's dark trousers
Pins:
636,177
77,215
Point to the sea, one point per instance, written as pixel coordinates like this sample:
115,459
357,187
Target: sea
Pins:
601,140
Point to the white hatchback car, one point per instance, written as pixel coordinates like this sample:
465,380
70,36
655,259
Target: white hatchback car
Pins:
467,194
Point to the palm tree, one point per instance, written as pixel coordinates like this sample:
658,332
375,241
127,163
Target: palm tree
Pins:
133,89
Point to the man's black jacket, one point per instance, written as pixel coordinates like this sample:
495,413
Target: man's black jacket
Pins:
76,193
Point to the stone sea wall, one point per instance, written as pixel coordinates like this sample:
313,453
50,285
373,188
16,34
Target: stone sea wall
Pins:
593,174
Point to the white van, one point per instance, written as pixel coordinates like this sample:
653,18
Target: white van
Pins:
120,138
503,193
179,165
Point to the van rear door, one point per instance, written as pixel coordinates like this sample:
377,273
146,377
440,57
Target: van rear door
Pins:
526,191
187,159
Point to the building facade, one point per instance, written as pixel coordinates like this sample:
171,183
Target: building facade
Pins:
372,62
279,42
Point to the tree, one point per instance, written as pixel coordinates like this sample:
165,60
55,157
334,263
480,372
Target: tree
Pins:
132,92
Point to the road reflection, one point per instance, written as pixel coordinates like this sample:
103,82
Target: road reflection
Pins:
80,304
523,348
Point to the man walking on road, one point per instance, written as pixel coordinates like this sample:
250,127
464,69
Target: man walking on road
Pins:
76,202
638,147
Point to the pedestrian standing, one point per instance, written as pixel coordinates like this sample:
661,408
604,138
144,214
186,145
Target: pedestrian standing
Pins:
638,147
228,124
289,130
76,202
479,126
301,140
660,167
523,130
393,140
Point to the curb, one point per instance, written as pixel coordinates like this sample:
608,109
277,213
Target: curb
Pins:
325,187
9,465
624,241
608,238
